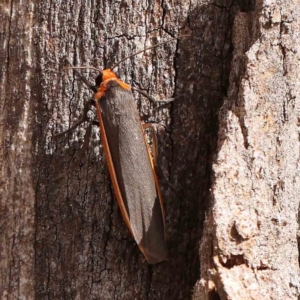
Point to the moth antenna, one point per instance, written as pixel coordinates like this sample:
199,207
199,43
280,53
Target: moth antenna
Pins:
82,78
88,67
138,52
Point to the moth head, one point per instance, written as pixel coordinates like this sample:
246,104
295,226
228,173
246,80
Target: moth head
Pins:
105,75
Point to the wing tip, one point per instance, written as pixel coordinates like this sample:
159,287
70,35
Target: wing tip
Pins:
156,257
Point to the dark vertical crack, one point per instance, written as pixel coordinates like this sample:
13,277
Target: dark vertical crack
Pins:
7,79
171,115
164,12
149,282
109,228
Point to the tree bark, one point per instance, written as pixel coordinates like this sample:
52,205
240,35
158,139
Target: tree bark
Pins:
249,247
228,145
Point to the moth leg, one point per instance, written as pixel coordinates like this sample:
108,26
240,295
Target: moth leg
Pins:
83,119
154,151
151,98
86,140
82,78
78,157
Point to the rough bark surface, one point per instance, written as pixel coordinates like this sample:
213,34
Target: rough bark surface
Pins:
249,247
62,235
